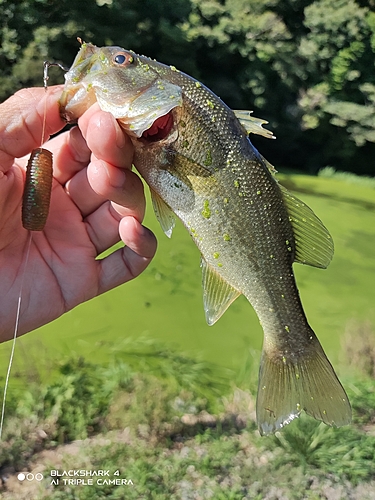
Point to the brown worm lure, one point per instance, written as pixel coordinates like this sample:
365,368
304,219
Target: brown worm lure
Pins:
38,184
37,191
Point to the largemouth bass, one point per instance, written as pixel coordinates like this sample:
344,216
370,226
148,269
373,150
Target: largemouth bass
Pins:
200,165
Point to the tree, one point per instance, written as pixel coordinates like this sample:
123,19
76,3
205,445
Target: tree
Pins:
305,66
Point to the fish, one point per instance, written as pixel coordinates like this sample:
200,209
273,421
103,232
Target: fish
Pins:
196,156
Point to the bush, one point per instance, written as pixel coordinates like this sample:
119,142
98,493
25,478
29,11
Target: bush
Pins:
76,405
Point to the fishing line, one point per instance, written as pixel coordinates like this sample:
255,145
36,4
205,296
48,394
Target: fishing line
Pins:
15,333
38,185
35,209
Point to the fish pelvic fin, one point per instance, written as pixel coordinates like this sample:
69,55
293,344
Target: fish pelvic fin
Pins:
163,213
288,385
217,293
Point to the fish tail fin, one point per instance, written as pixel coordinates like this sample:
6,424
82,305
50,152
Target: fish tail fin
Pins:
288,385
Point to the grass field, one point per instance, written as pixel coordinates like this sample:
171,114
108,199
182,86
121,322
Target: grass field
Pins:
165,302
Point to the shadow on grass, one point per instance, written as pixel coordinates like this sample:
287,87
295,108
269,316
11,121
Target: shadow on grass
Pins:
295,187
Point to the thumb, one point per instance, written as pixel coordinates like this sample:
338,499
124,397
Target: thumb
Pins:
21,122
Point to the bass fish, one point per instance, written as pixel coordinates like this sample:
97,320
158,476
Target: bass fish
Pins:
195,155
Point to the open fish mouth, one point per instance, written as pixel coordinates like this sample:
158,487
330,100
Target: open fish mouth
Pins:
160,129
70,110
148,128
143,104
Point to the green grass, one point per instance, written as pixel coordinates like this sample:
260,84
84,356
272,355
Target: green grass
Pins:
165,303
348,177
173,443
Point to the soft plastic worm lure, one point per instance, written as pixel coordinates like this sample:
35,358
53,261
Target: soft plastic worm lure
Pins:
38,184
37,191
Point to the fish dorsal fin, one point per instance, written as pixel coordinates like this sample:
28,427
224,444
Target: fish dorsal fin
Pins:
217,294
163,213
314,244
253,125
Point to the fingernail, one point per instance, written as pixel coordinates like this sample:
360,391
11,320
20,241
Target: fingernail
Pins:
117,177
120,138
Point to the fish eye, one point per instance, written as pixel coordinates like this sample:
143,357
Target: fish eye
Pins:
123,59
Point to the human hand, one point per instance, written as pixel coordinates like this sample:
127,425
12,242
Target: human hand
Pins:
91,165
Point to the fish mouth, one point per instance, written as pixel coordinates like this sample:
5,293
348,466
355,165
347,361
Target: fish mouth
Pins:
160,129
79,95
74,102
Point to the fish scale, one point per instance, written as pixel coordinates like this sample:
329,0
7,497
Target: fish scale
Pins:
248,228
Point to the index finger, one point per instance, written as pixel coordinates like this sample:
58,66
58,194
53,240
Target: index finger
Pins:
105,138
21,122
98,133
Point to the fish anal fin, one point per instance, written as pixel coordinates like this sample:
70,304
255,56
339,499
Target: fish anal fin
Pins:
217,294
163,213
313,242
289,385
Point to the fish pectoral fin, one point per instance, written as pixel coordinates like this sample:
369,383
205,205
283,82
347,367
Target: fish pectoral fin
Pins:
217,293
314,244
163,213
288,385
253,125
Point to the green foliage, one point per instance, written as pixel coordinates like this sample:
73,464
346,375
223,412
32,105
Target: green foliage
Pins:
20,440
306,66
192,374
346,453
32,31
362,398
77,403
151,408
146,437
86,398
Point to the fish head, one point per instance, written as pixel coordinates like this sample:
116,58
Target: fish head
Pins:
129,86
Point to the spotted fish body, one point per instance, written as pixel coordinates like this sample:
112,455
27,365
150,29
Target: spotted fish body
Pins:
200,165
